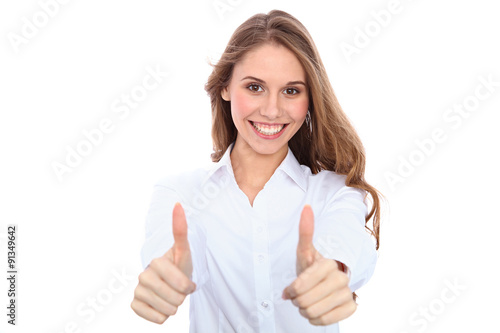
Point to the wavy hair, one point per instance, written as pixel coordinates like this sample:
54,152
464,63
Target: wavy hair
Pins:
326,140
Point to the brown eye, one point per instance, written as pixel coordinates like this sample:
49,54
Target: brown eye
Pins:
291,91
255,88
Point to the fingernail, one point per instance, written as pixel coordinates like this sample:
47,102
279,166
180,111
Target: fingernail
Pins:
283,295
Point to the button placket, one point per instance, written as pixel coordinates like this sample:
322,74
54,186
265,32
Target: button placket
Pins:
262,270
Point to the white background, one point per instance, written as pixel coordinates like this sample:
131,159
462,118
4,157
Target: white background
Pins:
440,222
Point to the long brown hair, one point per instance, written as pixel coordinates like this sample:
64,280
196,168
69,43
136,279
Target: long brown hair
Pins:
326,140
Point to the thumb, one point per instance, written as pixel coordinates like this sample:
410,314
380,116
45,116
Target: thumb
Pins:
305,248
181,250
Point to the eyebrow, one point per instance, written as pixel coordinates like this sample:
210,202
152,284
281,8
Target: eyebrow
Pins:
262,81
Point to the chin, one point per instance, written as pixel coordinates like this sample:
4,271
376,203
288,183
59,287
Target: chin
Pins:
268,148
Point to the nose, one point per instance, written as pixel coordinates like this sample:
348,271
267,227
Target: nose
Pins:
271,108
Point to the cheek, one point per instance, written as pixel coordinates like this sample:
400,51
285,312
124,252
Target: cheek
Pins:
298,110
242,105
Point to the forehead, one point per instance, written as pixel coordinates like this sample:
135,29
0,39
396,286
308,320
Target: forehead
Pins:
270,62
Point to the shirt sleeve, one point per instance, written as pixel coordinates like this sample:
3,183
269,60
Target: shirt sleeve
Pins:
159,237
340,234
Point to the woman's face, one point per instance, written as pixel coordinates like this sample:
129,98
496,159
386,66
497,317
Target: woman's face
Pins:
269,98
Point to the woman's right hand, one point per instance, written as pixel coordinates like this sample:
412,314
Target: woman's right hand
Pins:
166,282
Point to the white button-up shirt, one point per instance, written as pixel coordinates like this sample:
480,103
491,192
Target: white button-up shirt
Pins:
244,256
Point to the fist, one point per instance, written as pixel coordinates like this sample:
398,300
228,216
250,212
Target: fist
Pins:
321,290
166,282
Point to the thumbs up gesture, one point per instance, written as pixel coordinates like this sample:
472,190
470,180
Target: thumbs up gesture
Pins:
166,282
321,290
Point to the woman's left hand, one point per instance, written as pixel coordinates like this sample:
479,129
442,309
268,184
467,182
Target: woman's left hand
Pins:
321,290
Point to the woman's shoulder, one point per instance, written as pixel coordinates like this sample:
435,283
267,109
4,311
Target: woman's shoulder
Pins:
184,181
327,178
331,184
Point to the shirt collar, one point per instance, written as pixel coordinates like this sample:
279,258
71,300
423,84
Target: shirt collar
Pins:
290,166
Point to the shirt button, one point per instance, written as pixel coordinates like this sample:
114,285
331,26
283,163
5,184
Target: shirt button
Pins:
261,257
259,229
266,305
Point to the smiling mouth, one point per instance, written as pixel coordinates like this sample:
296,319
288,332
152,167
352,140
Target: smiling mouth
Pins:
268,129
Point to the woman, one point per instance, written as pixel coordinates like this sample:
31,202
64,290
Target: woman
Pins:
273,237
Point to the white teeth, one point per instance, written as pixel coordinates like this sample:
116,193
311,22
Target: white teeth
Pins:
268,130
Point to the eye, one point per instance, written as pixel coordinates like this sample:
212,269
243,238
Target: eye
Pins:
291,91
255,87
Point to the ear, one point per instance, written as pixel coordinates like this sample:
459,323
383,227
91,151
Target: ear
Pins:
225,94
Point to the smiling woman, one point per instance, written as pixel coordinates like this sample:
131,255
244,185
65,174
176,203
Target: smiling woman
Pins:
269,101
267,91
288,219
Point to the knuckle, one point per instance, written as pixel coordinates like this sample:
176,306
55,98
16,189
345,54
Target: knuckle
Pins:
345,293
138,292
133,305
154,261
157,264
154,264
141,294
168,294
341,278
344,278
298,282
159,318
349,293
143,277
352,307
298,302
172,311
179,299
347,297
182,284
176,299
317,321
310,313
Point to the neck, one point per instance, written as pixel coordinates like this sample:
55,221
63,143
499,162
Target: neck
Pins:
251,168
